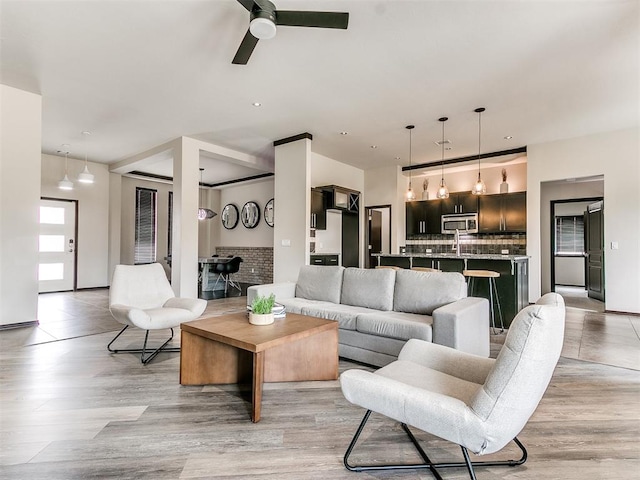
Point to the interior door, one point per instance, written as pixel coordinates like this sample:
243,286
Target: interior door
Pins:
594,246
57,246
375,236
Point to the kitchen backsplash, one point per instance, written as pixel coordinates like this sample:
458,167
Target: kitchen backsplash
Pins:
515,243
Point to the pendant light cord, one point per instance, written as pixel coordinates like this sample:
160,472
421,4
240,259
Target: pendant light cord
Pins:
479,138
442,145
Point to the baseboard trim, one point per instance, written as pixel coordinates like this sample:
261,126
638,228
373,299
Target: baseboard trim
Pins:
633,314
11,326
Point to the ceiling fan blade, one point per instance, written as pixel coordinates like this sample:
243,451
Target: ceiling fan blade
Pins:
248,4
245,49
294,18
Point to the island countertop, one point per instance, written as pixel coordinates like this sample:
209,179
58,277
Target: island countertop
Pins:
462,256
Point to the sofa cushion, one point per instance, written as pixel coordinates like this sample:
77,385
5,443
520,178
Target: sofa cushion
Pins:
320,283
295,305
370,288
345,315
402,326
423,292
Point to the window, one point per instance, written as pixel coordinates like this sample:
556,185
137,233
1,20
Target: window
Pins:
146,222
570,235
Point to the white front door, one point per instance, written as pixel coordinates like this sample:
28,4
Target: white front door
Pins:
57,246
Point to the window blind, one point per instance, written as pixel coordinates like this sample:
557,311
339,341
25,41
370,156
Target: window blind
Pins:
146,223
570,235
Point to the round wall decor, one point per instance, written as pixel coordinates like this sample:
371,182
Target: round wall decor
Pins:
230,216
268,213
250,214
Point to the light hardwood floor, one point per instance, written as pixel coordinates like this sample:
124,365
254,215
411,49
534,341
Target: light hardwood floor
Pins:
70,410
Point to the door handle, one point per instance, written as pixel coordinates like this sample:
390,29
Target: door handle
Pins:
71,245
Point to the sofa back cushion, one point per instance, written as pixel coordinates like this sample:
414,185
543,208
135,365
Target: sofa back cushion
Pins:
423,292
320,283
371,288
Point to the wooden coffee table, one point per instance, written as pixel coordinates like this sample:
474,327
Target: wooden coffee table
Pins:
228,349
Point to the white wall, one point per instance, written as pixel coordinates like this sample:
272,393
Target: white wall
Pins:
21,138
326,171
93,215
262,235
387,186
209,230
292,193
458,180
616,155
330,240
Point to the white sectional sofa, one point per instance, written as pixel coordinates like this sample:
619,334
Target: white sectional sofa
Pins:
378,310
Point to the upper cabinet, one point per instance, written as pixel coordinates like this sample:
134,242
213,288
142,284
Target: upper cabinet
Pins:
423,217
340,198
502,213
318,209
460,202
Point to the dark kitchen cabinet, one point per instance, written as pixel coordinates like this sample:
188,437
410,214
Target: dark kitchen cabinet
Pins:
322,259
341,198
459,202
500,213
422,217
512,285
318,209
350,240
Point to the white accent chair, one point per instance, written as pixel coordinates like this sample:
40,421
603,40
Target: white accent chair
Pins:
141,296
479,403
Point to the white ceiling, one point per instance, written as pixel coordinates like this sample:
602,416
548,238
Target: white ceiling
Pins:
139,73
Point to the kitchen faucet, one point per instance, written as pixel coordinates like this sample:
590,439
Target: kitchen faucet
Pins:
456,243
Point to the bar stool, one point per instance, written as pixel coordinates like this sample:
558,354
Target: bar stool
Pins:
425,269
493,291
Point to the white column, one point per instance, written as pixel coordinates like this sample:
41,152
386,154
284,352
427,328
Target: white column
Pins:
20,166
184,250
292,193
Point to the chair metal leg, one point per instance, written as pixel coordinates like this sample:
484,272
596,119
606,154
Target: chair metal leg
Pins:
428,464
144,360
495,289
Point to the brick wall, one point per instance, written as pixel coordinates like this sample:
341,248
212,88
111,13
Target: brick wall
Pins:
258,259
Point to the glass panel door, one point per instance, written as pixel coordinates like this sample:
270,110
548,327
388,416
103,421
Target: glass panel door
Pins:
57,246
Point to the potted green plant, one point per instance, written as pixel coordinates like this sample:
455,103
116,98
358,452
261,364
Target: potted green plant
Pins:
262,310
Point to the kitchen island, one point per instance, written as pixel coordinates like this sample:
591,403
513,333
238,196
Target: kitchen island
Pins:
513,284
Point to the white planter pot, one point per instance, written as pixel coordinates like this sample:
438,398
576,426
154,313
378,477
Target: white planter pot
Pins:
261,319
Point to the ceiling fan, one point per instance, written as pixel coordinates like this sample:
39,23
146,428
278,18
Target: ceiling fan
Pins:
265,17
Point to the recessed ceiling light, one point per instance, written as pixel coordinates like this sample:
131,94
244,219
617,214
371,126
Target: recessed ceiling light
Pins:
374,146
397,158
256,104
344,133
508,137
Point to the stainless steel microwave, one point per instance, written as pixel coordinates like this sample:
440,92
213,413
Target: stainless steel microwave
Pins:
464,223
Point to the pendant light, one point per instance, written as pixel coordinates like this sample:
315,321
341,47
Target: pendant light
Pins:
479,188
65,183
410,194
85,176
203,213
443,191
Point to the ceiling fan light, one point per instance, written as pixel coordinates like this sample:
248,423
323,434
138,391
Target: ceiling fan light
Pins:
262,28
65,183
86,176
